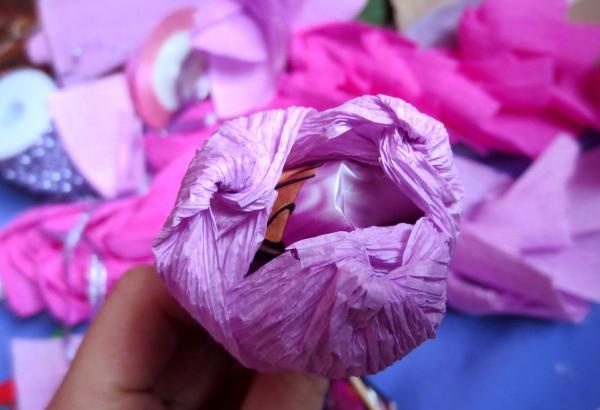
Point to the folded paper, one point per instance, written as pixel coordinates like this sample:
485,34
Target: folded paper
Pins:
102,134
362,297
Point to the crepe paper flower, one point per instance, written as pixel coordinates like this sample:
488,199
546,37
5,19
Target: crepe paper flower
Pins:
506,88
530,247
339,304
245,45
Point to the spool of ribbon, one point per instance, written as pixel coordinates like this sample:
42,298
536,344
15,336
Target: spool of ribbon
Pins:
31,154
167,72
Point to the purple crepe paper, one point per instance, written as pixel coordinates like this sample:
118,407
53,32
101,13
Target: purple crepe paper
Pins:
339,304
530,247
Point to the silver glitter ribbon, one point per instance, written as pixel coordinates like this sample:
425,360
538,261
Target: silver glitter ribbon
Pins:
97,276
46,169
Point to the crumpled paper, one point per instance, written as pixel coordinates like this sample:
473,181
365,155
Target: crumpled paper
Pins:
48,254
518,79
335,305
530,247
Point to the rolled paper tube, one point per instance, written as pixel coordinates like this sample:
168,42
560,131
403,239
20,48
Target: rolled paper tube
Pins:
166,72
349,301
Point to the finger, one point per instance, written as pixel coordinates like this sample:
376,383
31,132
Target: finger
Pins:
234,389
129,343
195,359
289,391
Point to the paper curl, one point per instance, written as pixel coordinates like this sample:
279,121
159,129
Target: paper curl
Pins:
340,304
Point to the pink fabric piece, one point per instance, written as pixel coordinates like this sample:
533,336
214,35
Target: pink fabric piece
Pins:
483,183
88,38
531,248
39,366
102,135
363,298
540,222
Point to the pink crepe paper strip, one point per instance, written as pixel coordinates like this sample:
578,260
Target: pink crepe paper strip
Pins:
503,89
101,133
530,247
361,299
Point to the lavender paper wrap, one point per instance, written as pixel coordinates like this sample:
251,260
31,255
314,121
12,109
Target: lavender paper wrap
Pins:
339,304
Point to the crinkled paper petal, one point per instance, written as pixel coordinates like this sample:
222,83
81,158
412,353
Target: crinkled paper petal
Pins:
344,303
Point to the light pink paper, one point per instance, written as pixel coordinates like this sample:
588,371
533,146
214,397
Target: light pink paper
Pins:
102,134
87,38
38,368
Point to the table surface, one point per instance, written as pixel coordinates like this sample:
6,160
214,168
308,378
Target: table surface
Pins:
474,363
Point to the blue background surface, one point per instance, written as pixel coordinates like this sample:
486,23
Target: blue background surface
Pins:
474,363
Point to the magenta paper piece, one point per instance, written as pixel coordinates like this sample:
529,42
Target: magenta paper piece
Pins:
362,298
102,135
87,38
38,368
503,89
531,247
119,234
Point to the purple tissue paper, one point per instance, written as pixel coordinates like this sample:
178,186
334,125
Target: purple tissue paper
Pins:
333,304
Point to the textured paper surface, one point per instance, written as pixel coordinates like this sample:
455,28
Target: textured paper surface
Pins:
338,304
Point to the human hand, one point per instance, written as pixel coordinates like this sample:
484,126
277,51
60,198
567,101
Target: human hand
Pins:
144,351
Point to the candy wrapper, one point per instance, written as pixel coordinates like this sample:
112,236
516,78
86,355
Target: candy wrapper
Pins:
339,301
